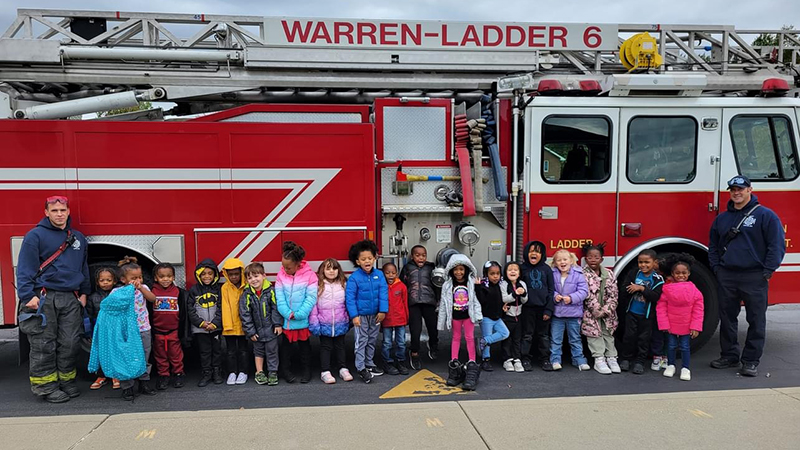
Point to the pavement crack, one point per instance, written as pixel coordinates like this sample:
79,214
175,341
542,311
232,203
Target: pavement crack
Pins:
90,432
785,394
473,425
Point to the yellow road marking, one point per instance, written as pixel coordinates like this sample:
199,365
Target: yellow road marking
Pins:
422,384
701,414
434,423
146,434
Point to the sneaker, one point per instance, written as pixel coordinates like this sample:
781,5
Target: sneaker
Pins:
127,394
98,383
391,369
584,367
216,376
272,379
508,365
724,363
624,365
375,371
57,396
613,365
401,367
656,365
414,361
638,368
601,366
146,389
433,353
556,366
241,378
748,370
231,379
486,365
669,372
261,377
365,375
482,344
526,364
664,362
305,377
686,374
547,366
345,375
518,366
204,379
180,380
162,383
71,389
327,378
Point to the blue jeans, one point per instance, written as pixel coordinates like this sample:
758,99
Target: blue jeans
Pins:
399,342
493,331
673,343
573,328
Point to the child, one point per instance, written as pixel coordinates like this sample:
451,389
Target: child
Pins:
536,313
422,302
640,290
492,294
169,326
680,312
105,279
261,322
394,325
205,316
570,292
235,342
329,320
131,273
518,295
296,295
367,298
600,310
460,310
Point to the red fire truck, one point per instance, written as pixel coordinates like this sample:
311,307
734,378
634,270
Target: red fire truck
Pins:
475,137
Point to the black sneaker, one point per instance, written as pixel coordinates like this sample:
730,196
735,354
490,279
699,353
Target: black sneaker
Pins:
486,365
391,369
749,370
724,363
624,365
414,362
216,376
375,371
127,394
526,364
288,376
638,368
547,366
180,381
305,377
401,367
433,353
57,396
146,389
162,383
204,379
365,375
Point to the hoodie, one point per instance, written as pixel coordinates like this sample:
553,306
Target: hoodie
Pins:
539,280
231,323
760,246
296,296
398,305
70,272
203,304
445,321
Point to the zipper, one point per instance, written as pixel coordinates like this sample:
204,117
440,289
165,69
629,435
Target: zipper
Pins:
333,313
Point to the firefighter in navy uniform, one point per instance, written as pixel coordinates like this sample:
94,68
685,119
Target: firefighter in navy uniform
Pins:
52,285
746,245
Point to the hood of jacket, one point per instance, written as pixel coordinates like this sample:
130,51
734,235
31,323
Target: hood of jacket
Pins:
461,260
231,322
526,265
445,318
230,264
207,263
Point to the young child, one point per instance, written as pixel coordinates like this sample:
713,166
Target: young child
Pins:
131,273
261,322
600,310
518,295
329,320
169,326
493,296
205,316
680,312
641,292
536,313
105,279
460,310
570,292
416,275
235,342
296,295
394,325
367,298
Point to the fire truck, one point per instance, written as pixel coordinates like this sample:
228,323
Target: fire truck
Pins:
471,137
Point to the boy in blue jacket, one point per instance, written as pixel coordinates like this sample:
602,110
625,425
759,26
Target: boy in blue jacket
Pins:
367,300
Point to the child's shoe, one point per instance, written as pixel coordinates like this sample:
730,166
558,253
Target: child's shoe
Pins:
391,369
414,362
656,365
127,394
432,352
216,375
455,373
306,376
556,366
345,375
584,367
601,366
204,379
508,365
375,371
482,345
241,378
613,365
365,375
115,383
162,383
686,374
327,378
486,365
272,379
98,383
473,373
624,365
261,377
146,389
546,366
231,379
638,368
669,372
518,366
401,367
526,364
180,380
288,376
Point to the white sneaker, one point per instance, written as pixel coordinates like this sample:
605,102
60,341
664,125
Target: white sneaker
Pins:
345,375
601,366
231,379
584,367
242,378
656,365
508,365
518,366
669,371
686,374
327,378
613,365
556,366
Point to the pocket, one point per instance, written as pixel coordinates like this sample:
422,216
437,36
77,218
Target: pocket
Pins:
33,325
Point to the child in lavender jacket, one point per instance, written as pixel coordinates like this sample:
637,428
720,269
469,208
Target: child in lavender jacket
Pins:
570,291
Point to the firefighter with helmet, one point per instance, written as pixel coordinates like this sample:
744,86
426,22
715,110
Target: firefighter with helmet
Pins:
52,285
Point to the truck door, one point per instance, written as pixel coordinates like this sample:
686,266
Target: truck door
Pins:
668,174
571,176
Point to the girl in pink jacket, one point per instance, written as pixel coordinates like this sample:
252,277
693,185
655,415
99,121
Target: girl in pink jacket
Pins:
680,312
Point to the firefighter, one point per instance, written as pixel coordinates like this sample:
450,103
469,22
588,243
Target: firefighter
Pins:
746,246
52,285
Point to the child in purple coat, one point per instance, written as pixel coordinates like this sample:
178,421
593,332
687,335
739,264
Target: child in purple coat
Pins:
570,291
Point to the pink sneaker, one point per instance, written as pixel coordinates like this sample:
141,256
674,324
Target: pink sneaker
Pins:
345,374
327,378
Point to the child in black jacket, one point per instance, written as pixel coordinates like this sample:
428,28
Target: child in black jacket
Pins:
204,311
422,301
536,312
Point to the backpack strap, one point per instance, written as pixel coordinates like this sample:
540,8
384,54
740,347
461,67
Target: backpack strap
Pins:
67,242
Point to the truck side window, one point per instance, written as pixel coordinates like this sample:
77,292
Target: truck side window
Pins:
662,149
576,149
764,147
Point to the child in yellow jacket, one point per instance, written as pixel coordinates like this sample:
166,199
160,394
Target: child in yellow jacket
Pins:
235,340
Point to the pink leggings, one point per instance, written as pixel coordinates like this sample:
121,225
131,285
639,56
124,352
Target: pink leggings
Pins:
469,335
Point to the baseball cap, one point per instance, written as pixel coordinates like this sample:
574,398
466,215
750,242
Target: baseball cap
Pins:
740,181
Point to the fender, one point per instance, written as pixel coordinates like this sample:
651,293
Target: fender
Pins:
631,255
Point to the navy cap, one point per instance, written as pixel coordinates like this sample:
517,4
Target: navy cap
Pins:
740,181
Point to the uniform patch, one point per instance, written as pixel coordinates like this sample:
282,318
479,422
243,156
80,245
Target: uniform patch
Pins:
749,222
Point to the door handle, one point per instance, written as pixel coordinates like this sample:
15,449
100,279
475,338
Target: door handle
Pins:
548,212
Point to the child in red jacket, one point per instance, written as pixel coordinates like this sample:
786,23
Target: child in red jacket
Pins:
394,325
680,312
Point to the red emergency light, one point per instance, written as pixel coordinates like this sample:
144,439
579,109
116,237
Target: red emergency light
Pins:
774,87
590,87
549,87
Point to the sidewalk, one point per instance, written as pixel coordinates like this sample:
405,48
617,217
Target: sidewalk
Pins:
767,418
